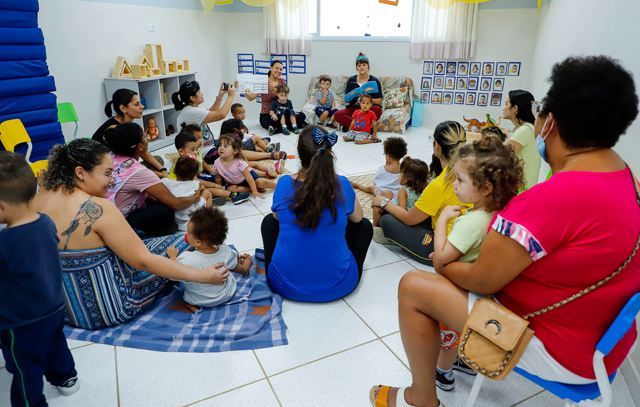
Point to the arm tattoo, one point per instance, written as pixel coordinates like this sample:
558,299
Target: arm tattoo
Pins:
89,214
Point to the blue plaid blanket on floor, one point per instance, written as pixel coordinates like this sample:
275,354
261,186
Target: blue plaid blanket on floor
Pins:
252,319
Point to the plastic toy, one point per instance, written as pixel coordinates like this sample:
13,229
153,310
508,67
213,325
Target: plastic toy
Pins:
152,129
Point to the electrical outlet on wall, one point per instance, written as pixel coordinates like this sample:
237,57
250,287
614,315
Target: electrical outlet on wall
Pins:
152,28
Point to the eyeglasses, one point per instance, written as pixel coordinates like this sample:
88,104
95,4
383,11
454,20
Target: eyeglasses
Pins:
536,107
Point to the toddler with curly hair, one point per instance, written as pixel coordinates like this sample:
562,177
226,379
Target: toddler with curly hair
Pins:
487,175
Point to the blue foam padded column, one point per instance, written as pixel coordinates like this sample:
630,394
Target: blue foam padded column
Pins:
25,84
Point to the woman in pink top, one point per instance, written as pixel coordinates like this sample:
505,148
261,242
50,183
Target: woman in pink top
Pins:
145,202
549,243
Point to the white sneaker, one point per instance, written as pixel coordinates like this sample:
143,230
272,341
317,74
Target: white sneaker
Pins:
69,387
378,237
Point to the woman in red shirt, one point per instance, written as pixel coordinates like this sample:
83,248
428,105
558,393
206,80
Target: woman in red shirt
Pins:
275,80
550,242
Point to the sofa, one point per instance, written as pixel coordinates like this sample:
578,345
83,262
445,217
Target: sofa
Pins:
397,102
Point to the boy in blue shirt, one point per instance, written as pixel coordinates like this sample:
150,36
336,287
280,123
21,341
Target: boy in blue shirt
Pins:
326,107
32,301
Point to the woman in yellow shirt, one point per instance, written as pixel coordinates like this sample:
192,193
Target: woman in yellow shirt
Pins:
413,229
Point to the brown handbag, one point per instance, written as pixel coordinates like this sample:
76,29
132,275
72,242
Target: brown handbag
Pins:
494,338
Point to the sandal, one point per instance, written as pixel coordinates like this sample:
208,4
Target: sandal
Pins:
381,399
278,155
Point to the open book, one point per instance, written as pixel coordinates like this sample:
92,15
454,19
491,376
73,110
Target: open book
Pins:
369,87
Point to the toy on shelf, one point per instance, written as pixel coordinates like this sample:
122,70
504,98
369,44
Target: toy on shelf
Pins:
185,65
172,67
121,68
152,129
170,129
138,71
477,125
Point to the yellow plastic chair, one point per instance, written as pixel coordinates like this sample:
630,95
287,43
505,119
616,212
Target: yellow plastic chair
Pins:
13,133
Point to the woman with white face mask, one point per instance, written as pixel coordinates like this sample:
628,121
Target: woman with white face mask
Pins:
548,244
517,108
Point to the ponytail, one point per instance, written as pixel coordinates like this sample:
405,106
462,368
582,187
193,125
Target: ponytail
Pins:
182,97
320,189
120,97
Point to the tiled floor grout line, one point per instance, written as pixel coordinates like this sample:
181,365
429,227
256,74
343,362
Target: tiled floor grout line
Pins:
323,357
222,392
528,398
115,356
267,377
82,346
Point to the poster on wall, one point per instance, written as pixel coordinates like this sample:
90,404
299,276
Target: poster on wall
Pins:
514,68
463,68
498,84
471,98
461,84
436,98
262,67
451,68
487,68
439,68
501,68
472,83
482,99
427,68
485,83
474,68
450,82
424,97
297,64
496,99
459,99
447,98
438,82
245,63
426,83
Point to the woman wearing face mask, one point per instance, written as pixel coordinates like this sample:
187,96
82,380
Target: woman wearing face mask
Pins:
549,243
124,107
517,108
343,117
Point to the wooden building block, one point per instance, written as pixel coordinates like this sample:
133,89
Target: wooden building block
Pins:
185,65
148,52
155,71
172,66
121,68
138,71
179,66
160,59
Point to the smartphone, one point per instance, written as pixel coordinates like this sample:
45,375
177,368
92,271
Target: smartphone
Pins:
225,86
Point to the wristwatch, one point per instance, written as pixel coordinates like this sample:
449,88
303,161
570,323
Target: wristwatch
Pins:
383,202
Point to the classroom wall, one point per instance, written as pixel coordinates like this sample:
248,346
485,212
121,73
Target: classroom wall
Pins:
503,35
611,30
83,39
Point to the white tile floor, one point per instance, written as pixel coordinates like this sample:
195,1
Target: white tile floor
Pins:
337,351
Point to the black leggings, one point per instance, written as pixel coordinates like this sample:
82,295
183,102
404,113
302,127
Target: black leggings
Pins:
266,121
358,236
155,219
416,240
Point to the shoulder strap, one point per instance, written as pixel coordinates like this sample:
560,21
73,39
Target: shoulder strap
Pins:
601,282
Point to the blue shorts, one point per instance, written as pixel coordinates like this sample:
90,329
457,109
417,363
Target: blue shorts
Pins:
322,109
244,183
285,112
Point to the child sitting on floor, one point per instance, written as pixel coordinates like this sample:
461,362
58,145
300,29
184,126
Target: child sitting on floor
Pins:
234,172
364,126
206,172
32,304
414,175
386,182
250,142
187,146
326,107
281,108
206,232
487,175
186,184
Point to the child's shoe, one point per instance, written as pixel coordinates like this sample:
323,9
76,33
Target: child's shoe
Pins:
69,387
296,130
271,130
445,380
462,367
239,197
285,131
272,172
279,166
218,201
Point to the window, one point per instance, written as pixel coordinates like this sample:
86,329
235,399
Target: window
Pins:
359,18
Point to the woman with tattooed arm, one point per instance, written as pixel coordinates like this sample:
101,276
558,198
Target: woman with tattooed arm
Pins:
110,275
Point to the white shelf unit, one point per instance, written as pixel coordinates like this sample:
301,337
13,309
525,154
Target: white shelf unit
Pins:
150,90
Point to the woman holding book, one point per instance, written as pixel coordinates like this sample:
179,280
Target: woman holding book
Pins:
362,66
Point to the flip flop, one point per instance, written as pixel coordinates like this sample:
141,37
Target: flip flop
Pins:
381,399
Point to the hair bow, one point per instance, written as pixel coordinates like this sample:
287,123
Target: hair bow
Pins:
319,136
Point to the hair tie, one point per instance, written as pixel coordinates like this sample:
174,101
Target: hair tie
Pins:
320,136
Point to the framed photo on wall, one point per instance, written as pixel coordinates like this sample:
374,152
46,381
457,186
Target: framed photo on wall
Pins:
438,82
436,98
472,83
425,97
514,69
451,68
439,68
447,98
463,68
487,68
483,99
450,82
501,68
427,68
485,84
471,98
498,84
474,68
426,83
496,99
459,99
461,84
